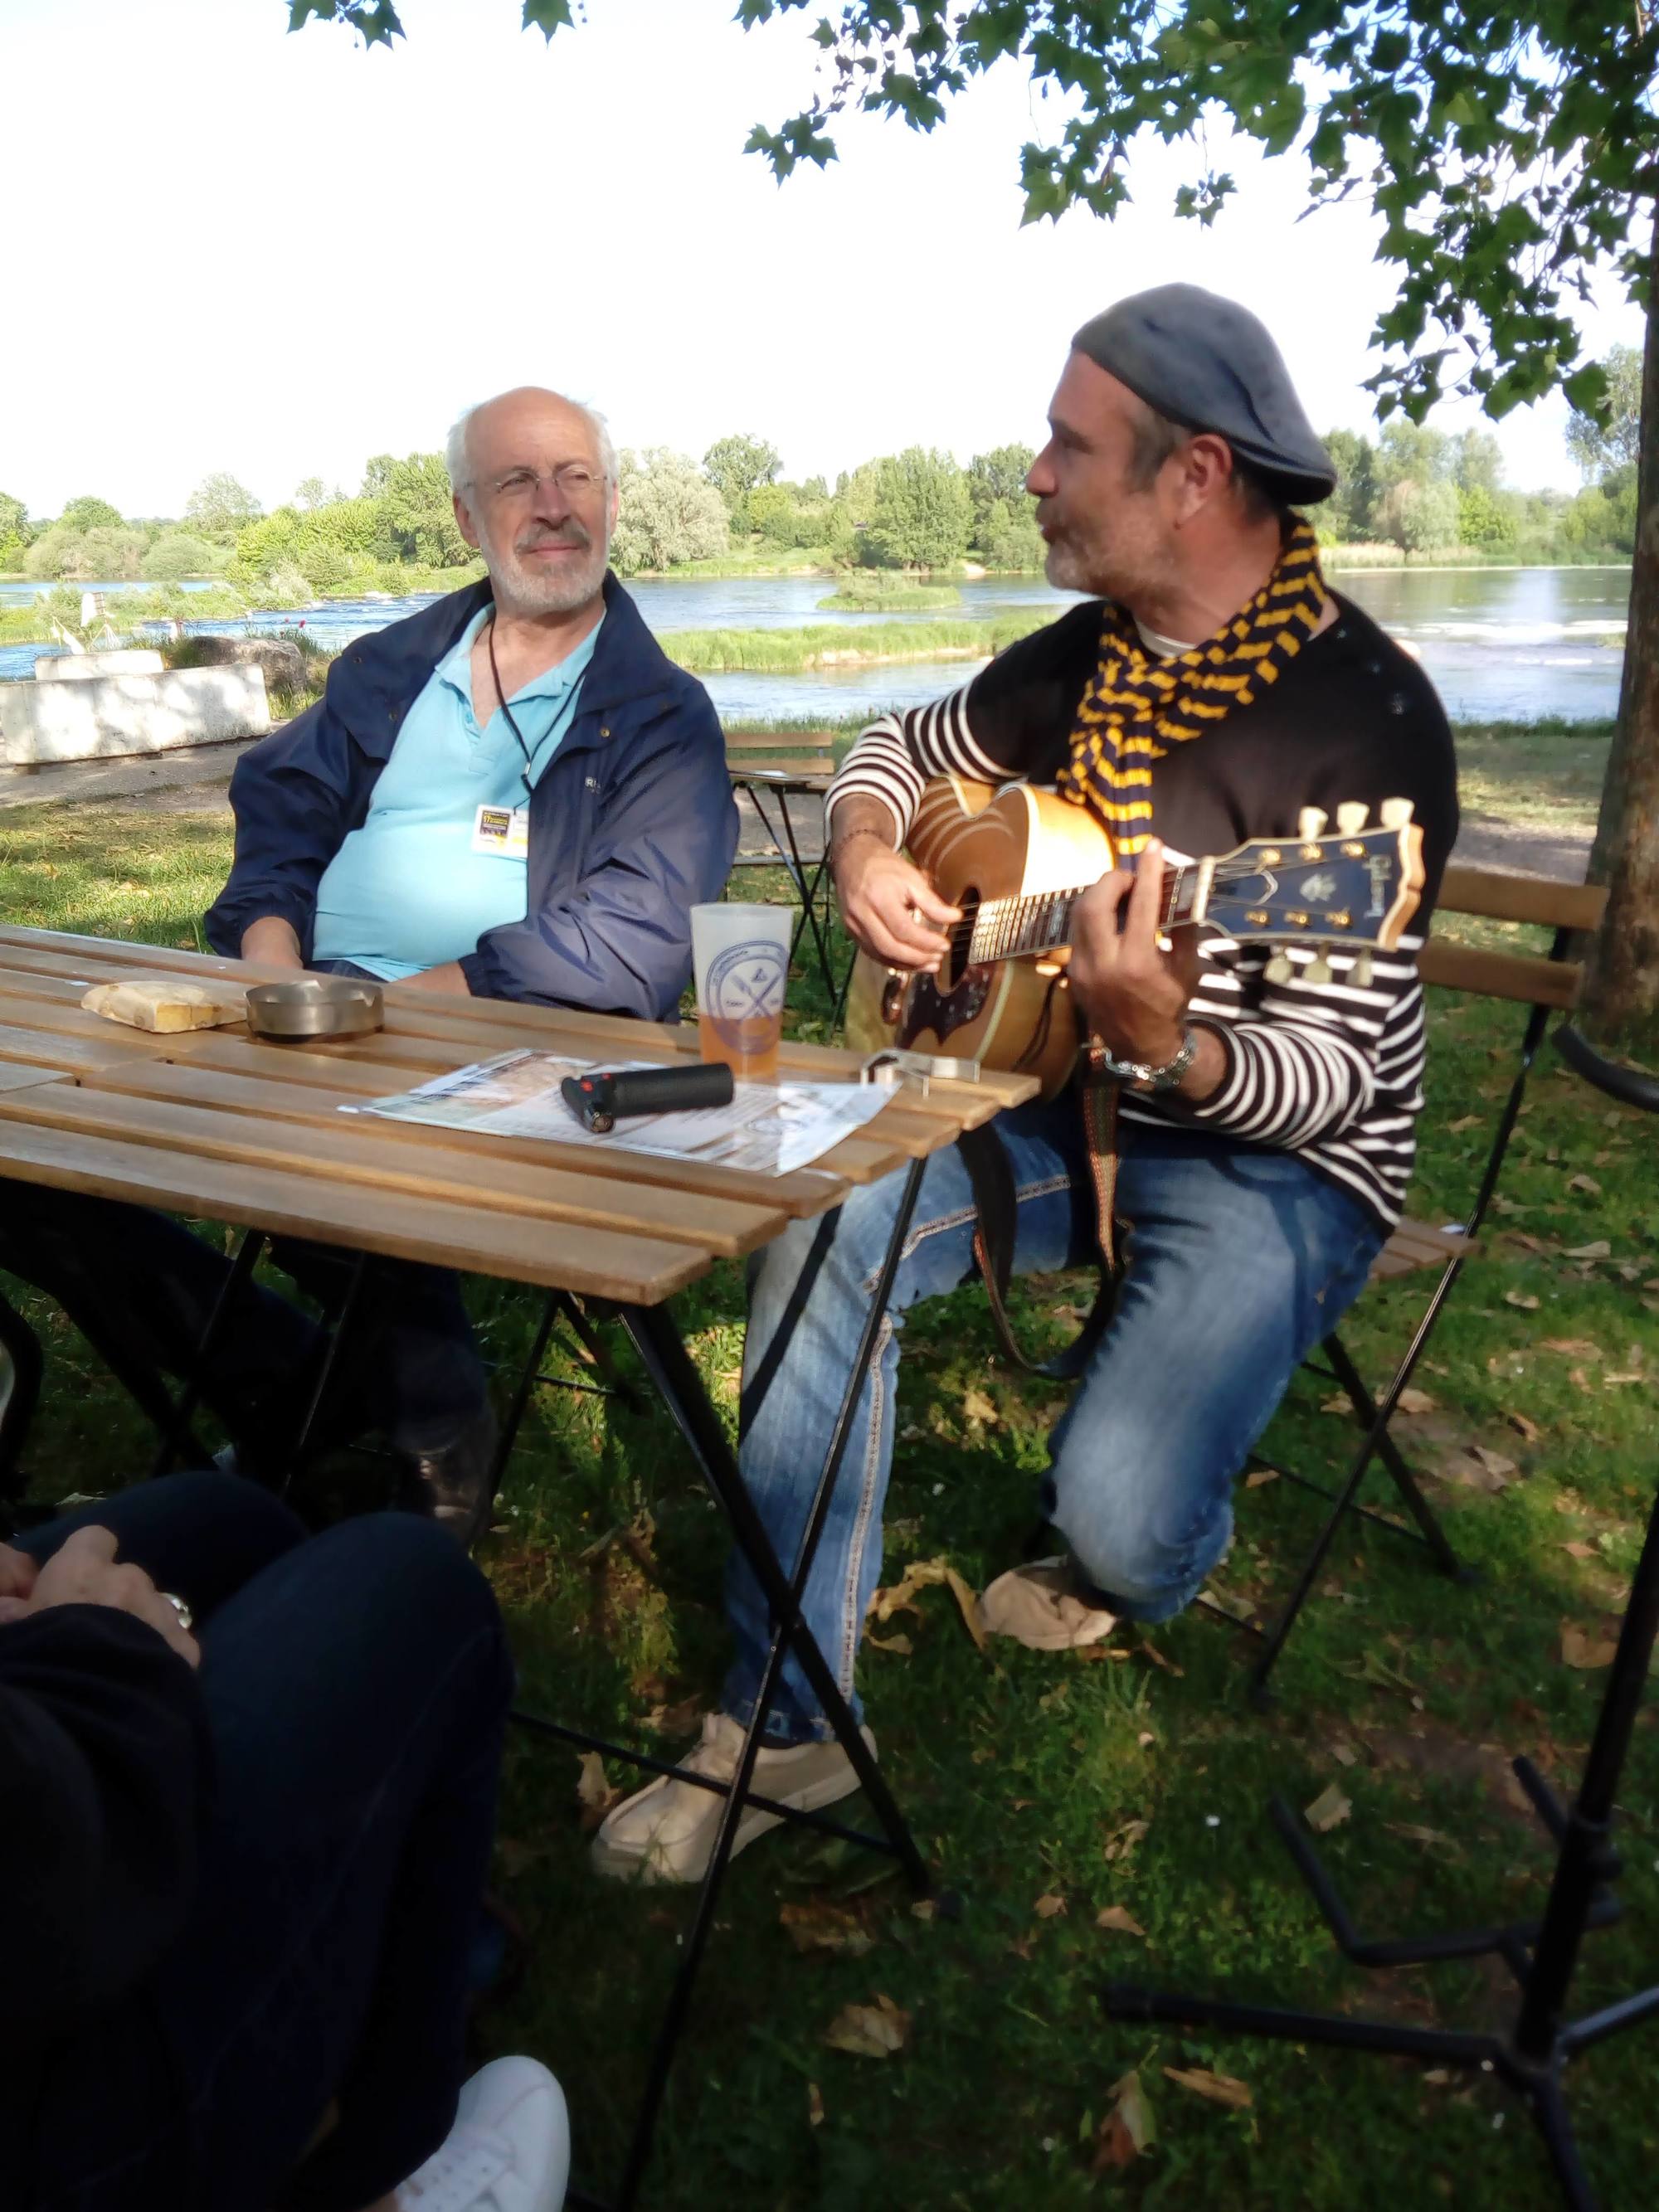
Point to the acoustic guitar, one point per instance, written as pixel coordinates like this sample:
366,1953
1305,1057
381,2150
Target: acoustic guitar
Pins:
1016,860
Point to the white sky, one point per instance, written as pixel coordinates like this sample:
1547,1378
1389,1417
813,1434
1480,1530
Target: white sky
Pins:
230,248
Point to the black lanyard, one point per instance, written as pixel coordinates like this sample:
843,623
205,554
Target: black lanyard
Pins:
511,719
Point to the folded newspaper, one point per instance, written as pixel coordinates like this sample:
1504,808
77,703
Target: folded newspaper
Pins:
768,1128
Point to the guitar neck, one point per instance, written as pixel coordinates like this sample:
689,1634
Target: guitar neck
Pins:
1015,928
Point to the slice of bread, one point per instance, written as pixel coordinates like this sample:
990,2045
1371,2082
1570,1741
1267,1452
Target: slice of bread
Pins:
168,1002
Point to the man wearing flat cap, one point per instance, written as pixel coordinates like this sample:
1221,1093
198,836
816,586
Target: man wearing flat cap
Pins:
1210,689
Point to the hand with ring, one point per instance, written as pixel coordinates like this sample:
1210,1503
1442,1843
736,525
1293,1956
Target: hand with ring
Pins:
84,1570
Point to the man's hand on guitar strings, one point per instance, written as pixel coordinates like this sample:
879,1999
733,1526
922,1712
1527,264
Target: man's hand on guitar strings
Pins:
1132,995
889,905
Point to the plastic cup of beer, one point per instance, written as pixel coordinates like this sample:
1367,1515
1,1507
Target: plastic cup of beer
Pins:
741,956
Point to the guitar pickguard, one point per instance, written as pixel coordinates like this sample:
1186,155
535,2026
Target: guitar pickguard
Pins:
928,1009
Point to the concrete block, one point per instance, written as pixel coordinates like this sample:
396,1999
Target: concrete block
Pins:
113,716
88,667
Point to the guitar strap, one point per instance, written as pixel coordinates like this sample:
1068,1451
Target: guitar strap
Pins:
992,1180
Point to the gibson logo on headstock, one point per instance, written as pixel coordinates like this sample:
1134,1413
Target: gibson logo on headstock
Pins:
1379,868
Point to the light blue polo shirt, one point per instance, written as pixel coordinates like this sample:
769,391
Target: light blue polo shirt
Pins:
407,890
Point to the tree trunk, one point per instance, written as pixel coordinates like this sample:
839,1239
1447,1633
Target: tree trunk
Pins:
1621,999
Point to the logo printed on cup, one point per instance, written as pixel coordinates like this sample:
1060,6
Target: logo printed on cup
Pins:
747,982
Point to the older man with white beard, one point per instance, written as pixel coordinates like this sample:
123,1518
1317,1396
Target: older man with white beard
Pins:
513,793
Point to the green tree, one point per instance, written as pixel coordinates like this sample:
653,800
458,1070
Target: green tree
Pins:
1487,519
737,467
1508,147
418,510
313,492
1614,439
220,506
1349,516
1000,476
921,515
1418,515
1009,540
670,513
13,520
1410,451
176,554
1474,461
89,514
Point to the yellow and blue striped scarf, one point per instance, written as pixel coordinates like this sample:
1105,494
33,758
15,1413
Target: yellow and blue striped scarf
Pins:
1137,705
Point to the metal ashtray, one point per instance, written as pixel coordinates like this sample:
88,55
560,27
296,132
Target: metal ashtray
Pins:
316,1007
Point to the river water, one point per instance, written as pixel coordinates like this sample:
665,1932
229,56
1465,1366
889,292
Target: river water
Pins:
1500,644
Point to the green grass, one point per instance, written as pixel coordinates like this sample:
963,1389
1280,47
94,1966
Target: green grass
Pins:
1024,1775
791,651
867,591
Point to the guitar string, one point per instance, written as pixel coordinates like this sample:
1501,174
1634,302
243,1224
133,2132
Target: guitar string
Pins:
1003,928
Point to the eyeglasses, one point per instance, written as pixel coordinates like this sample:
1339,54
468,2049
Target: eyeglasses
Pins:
573,480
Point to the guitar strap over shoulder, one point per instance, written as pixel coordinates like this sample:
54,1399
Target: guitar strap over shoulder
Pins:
992,1180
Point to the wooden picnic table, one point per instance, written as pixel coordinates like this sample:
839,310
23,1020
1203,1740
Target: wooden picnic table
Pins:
221,1123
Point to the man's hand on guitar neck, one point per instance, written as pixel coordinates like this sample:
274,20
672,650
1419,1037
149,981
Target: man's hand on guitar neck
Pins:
891,909
1133,997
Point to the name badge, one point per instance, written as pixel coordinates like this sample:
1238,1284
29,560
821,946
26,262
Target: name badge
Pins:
502,830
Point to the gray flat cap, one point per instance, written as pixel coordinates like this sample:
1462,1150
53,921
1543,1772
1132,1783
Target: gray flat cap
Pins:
1209,363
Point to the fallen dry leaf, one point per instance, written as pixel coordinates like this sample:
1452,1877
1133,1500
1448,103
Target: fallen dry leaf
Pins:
1464,1121
899,1644
1520,1298
814,1926
1259,1475
925,1574
1476,1468
594,1795
1586,1183
1585,1652
1581,1551
1610,1381
1118,1920
1219,2089
814,2106
1121,1843
868,2031
1337,1402
1601,1249
1414,1400
1328,1810
978,1408
1574,1347
1128,2129
1047,1908
1415,1834
1525,1428
1160,1659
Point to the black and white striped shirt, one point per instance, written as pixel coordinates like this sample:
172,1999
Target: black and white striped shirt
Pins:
1328,1071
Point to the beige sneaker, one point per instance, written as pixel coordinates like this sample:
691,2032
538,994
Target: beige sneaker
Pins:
665,1831
1039,1606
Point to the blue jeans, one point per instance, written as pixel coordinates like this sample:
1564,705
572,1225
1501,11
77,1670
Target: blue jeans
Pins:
1237,1263
356,1686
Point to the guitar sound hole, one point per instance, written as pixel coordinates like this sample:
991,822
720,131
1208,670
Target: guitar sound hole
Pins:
961,935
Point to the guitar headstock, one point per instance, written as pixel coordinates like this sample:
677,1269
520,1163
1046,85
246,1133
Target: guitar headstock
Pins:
1355,888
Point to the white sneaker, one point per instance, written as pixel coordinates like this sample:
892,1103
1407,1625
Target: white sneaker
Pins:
665,1831
508,2151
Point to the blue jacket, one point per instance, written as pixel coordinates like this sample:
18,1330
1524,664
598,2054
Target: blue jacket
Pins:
632,821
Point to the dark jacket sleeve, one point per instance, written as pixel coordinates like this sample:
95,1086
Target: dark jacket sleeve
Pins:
620,942
104,1777
292,795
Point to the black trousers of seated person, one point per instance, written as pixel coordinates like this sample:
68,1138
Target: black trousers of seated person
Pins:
356,1686
412,1369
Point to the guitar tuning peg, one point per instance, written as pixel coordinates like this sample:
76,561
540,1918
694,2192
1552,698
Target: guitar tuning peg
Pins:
1318,969
1310,824
1279,969
1351,817
1360,973
1394,813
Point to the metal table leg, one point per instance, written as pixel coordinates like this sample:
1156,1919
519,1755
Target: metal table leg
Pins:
663,1350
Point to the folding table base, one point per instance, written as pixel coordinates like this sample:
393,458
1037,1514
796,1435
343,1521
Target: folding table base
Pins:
672,1369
